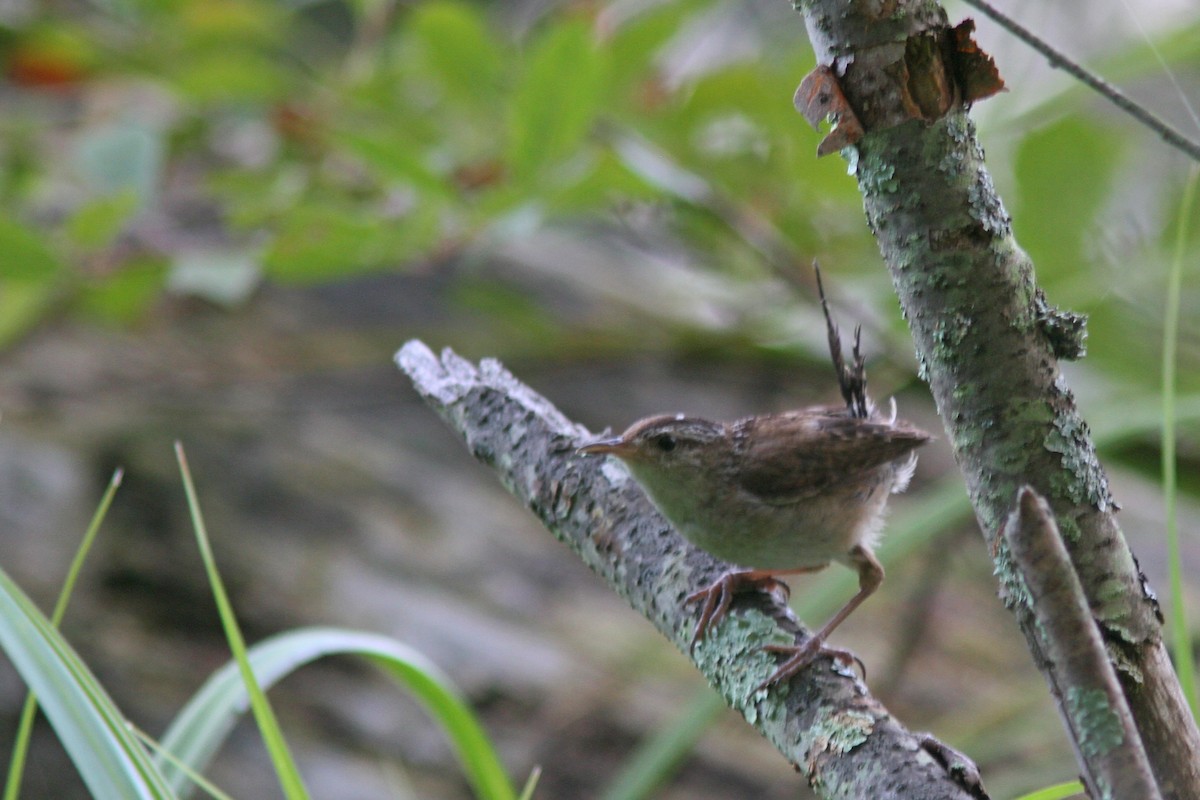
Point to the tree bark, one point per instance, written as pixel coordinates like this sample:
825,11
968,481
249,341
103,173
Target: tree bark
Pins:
825,722
1097,715
988,342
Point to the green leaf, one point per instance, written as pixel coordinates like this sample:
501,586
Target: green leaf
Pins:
91,729
319,243
637,38
12,786
1064,173
316,244
557,99
203,725
120,157
456,49
95,224
225,277
24,255
608,181
224,76
393,159
22,304
123,296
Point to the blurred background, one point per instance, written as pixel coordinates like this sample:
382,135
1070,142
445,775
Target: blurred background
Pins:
219,219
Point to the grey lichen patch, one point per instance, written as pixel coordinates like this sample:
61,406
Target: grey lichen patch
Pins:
1069,528
1096,722
964,394
876,176
958,128
1065,331
991,501
615,472
1014,593
984,206
922,366
949,334
1082,479
968,438
835,733
951,164
733,659
1111,609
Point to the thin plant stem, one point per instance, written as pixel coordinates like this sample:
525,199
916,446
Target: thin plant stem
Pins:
16,764
210,788
1090,79
290,780
1181,639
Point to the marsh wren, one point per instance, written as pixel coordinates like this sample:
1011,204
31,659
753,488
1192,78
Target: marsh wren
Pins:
777,494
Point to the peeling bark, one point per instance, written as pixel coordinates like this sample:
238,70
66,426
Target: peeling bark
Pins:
825,722
987,346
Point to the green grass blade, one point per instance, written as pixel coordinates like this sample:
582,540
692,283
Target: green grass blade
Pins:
206,721
1181,637
1132,417
531,783
288,775
111,761
657,758
1059,791
16,764
162,755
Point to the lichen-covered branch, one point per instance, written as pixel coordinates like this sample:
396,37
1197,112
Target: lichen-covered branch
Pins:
987,341
825,722
1094,706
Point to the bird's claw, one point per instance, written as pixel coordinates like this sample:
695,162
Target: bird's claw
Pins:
718,595
800,656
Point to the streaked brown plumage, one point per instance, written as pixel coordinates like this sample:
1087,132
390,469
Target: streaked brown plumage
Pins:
774,494
778,494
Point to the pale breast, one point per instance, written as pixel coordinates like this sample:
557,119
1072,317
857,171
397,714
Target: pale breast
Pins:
808,533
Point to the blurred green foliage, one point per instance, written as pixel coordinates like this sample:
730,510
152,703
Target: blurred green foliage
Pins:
201,147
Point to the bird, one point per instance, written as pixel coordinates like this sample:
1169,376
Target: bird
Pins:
777,494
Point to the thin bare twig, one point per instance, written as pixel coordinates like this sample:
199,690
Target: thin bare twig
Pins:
1093,81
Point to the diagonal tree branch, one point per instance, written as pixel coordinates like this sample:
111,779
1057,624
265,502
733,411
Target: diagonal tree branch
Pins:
828,725
1099,719
987,340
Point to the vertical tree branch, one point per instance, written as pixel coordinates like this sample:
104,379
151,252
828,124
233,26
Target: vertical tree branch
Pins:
987,340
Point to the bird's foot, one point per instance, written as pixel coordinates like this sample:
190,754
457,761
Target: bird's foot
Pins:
800,656
717,596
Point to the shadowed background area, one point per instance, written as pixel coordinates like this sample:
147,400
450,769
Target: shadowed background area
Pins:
224,218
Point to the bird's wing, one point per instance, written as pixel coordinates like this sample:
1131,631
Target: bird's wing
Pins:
790,457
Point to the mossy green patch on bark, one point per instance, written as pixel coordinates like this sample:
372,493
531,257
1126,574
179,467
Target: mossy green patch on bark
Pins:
1095,720
1014,593
1082,479
833,733
733,649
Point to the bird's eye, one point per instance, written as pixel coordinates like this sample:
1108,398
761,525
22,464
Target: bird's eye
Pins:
665,442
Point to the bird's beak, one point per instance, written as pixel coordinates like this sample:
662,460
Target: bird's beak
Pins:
611,446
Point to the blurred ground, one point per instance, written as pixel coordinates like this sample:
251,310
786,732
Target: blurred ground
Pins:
335,497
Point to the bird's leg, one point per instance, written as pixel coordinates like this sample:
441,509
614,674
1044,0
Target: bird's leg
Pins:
870,575
719,594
